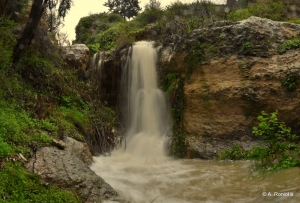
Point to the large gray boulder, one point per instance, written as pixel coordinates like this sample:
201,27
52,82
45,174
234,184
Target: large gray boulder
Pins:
69,169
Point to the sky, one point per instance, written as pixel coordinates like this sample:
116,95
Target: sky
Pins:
82,8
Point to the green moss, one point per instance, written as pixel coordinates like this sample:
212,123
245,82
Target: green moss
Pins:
18,185
5,149
247,47
18,127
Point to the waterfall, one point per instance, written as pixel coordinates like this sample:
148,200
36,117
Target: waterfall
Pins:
96,64
148,120
142,173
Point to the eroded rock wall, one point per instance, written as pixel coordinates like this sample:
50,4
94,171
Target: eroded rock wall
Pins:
233,84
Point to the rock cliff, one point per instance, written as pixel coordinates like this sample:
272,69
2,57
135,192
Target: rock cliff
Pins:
240,76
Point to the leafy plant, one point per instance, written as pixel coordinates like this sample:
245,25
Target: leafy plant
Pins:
290,81
277,136
94,48
279,148
247,47
291,44
234,153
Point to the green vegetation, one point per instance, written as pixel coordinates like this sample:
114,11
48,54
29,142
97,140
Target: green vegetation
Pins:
40,99
296,21
274,10
247,47
234,153
18,185
167,25
7,41
88,27
194,55
280,148
291,44
126,8
290,81
173,84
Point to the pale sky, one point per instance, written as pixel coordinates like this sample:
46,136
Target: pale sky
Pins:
82,8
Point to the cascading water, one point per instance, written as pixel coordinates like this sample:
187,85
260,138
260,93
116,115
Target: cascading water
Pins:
142,173
147,121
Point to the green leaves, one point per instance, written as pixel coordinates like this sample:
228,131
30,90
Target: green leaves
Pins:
291,44
234,153
126,8
94,48
278,150
279,142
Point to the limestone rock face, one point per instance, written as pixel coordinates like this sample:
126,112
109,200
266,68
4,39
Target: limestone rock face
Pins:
77,56
68,168
230,37
227,92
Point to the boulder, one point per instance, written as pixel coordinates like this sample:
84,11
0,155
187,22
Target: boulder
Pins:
80,150
77,56
68,168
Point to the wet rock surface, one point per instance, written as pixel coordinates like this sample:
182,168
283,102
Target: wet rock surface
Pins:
227,92
68,168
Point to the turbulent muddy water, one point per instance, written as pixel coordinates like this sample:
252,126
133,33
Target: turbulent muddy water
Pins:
142,173
190,181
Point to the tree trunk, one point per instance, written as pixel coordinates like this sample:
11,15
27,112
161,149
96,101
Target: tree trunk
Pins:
24,42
